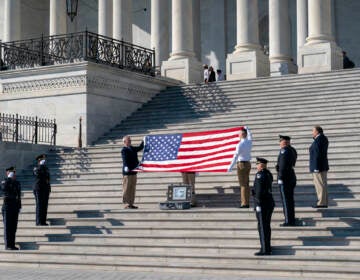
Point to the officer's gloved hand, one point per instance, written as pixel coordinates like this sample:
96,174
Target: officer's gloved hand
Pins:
316,171
126,169
258,209
246,127
280,182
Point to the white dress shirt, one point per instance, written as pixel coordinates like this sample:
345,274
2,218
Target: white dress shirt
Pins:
243,150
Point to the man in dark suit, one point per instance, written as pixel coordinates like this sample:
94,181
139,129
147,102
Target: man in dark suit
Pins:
319,165
287,178
264,205
130,162
41,190
11,207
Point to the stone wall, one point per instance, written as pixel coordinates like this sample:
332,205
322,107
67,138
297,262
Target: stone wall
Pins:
20,155
103,96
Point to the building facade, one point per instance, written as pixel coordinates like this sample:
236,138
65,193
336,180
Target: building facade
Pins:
244,38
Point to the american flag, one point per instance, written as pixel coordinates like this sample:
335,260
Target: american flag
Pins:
208,151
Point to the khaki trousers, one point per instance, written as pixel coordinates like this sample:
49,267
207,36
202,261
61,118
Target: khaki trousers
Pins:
320,182
129,187
243,172
189,179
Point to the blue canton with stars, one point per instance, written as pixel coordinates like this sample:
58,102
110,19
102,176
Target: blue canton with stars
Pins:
161,147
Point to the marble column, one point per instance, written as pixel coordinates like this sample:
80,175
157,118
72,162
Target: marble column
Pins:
12,23
122,20
279,39
160,30
320,53
105,18
248,59
57,17
182,64
197,29
301,24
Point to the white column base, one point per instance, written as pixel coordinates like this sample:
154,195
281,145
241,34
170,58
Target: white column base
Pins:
188,70
283,68
246,65
321,57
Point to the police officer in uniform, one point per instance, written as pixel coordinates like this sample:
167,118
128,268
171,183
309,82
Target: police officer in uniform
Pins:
11,190
41,190
287,179
264,204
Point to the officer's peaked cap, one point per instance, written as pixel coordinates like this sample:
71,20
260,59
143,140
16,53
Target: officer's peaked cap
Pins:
10,169
261,160
283,137
40,157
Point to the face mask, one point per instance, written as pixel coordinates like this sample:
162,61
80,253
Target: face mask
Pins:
42,162
11,174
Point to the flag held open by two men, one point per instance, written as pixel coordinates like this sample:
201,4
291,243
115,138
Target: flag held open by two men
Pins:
207,151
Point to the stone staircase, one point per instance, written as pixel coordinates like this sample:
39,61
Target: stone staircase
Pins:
90,229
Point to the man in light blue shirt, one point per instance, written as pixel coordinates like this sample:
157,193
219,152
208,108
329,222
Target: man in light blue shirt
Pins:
242,159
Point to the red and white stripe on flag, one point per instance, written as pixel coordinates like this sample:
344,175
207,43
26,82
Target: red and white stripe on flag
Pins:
207,151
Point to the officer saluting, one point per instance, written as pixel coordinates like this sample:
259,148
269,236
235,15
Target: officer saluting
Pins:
264,204
41,190
287,179
11,207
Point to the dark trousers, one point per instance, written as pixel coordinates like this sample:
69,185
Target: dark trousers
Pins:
42,199
10,218
264,228
287,198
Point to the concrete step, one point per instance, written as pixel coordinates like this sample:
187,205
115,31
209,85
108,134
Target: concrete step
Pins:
201,193
29,241
250,221
220,251
186,263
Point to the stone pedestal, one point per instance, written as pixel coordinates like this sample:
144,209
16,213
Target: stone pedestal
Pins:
187,70
320,57
246,65
320,53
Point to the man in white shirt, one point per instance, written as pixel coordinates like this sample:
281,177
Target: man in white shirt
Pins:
242,158
206,73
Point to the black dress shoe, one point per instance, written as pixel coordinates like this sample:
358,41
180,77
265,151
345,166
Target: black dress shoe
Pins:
287,225
12,248
244,206
260,253
319,206
133,207
45,224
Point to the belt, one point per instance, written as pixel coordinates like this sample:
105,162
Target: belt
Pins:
244,161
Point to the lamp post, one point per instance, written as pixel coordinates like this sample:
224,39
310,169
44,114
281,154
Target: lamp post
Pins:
71,8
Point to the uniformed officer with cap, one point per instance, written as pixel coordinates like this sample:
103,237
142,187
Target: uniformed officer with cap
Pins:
287,179
264,204
41,190
11,190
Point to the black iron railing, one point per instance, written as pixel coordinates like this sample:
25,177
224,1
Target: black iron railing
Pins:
74,47
15,128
